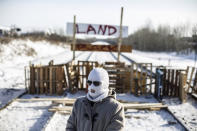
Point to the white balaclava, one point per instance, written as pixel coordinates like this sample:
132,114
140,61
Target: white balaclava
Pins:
101,91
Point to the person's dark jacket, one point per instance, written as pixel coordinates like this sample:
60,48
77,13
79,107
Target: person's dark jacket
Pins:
105,115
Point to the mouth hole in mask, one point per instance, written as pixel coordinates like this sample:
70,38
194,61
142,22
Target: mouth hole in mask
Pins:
93,91
95,83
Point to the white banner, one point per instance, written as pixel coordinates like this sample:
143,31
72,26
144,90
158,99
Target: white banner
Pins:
96,29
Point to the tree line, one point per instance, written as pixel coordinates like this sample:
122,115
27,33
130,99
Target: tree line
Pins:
164,38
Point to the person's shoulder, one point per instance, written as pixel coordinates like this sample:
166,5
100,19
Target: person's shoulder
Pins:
114,102
81,99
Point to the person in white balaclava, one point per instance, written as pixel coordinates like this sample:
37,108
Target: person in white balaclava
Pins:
98,82
98,110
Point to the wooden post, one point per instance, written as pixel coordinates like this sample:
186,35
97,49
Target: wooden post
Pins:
136,80
164,82
182,91
74,33
32,80
131,81
172,84
120,35
176,83
141,78
46,85
194,83
59,80
190,79
41,81
51,80
25,79
168,82
145,78
151,70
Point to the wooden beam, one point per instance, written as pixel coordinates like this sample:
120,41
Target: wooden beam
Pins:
120,35
144,106
66,108
74,39
190,79
41,81
51,80
107,48
182,91
46,99
150,106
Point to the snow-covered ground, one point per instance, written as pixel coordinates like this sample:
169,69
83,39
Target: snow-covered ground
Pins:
35,116
186,112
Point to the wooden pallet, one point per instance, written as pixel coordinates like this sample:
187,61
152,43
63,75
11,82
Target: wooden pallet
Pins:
84,68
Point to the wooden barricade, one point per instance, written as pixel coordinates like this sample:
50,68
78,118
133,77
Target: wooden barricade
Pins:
129,78
191,80
72,76
141,76
47,79
116,81
84,68
173,83
54,79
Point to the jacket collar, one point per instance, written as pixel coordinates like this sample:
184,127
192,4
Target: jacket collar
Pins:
112,94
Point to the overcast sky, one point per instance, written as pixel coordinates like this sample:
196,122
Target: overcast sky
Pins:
43,14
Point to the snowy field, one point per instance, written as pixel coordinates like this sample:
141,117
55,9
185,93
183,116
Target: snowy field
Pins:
35,116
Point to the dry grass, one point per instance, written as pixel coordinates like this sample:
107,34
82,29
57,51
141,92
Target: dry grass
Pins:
5,40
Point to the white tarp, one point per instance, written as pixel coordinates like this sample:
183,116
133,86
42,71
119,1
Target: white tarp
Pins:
97,29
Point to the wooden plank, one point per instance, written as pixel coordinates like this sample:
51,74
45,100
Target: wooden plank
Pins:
60,78
155,108
164,82
74,38
150,106
32,80
176,83
41,81
114,68
25,78
36,80
131,79
45,99
168,82
68,103
66,76
114,63
67,108
141,78
182,93
112,48
190,79
145,76
195,83
172,84
178,88
136,79
143,106
51,80
120,35
47,75
151,78
187,70
69,79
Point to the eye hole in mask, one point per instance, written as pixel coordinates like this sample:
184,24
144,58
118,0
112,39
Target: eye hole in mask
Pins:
95,83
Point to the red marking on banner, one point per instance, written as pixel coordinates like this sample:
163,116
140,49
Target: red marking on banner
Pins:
101,29
91,28
109,29
78,32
